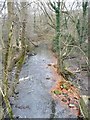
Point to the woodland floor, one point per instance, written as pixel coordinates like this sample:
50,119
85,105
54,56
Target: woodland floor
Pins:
37,79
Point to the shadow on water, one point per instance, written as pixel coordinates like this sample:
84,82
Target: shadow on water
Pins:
53,105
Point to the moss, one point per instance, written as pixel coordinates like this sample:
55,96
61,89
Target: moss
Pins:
84,108
57,92
7,55
8,107
19,66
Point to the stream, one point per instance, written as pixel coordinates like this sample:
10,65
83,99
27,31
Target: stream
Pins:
36,79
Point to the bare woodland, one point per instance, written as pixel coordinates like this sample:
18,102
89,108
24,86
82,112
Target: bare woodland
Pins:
25,24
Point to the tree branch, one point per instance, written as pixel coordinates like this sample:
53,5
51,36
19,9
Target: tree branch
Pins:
3,6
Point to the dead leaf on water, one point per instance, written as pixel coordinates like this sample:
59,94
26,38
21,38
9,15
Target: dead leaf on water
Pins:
49,64
47,78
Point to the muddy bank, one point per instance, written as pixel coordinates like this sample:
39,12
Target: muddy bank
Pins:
78,67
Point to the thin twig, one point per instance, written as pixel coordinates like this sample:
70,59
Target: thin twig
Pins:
3,6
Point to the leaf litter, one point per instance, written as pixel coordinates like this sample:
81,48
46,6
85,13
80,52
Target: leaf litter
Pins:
67,94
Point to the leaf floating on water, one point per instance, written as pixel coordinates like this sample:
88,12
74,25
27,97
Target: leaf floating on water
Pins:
57,92
49,65
48,78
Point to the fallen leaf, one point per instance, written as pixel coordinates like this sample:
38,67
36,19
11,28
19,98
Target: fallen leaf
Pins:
64,91
71,105
57,92
64,100
55,66
48,78
65,94
64,86
49,64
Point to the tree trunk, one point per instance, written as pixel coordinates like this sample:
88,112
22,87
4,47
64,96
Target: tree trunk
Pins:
23,44
7,48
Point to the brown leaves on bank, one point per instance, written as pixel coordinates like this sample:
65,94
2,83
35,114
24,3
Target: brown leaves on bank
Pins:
67,94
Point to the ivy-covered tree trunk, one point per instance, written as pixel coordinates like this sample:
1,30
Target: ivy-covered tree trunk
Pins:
57,41
34,24
57,30
81,24
56,8
89,43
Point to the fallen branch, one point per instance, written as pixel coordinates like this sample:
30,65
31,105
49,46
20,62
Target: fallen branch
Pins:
3,6
33,43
